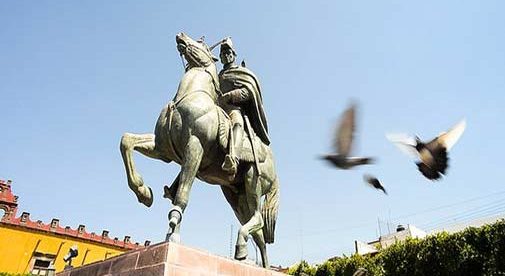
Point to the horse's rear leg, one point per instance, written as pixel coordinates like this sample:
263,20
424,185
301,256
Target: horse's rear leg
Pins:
143,143
255,223
193,153
260,242
239,204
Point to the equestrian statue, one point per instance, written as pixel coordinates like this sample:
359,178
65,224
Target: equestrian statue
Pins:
215,128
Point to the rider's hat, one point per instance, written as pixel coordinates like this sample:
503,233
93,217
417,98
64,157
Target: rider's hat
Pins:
227,44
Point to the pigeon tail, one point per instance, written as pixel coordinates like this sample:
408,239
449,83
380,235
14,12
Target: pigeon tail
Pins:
428,172
361,161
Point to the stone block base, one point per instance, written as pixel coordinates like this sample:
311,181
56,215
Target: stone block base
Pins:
168,259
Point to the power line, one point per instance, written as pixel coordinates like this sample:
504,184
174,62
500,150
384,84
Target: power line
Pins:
450,224
448,205
483,219
368,224
473,212
472,216
467,212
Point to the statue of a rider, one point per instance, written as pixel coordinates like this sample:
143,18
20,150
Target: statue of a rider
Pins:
241,96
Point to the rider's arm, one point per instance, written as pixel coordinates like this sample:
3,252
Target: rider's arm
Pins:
239,95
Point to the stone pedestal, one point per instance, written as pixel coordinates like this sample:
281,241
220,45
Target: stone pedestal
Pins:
168,259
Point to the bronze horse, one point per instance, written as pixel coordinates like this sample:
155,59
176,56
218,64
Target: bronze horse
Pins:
193,131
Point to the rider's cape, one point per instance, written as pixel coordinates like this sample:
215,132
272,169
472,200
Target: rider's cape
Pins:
242,77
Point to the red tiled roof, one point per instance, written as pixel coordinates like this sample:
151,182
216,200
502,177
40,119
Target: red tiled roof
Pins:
8,202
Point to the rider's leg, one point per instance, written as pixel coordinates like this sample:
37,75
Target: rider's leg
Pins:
231,160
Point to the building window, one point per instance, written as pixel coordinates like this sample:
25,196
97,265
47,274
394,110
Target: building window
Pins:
43,265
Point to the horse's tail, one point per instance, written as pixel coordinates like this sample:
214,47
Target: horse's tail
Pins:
269,211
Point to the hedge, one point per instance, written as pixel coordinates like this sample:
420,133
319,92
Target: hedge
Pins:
474,251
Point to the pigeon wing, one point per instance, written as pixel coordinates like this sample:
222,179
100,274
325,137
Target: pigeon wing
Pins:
345,132
404,142
449,138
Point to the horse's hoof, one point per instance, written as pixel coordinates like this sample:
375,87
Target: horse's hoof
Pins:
241,251
146,200
173,222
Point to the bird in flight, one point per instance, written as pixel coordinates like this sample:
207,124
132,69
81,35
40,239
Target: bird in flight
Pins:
374,182
432,157
343,143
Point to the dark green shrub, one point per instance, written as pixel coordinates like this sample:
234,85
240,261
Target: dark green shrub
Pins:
474,251
302,269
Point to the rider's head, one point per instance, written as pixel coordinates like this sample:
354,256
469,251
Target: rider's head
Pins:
227,53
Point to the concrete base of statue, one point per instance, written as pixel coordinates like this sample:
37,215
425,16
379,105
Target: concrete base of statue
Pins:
168,259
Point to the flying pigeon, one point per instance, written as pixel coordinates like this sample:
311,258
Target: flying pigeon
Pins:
432,156
343,143
374,182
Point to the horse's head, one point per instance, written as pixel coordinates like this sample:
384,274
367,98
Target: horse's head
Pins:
196,53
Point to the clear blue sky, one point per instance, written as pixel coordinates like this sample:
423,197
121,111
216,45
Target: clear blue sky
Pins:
75,75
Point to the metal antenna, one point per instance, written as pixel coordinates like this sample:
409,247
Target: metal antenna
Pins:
300,224
389,221
379,224
231,238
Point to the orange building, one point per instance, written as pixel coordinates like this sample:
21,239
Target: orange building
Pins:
28,246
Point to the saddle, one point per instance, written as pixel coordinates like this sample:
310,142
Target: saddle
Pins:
246,153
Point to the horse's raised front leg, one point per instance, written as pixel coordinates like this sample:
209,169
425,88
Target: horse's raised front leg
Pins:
193,153
143,143
255,223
